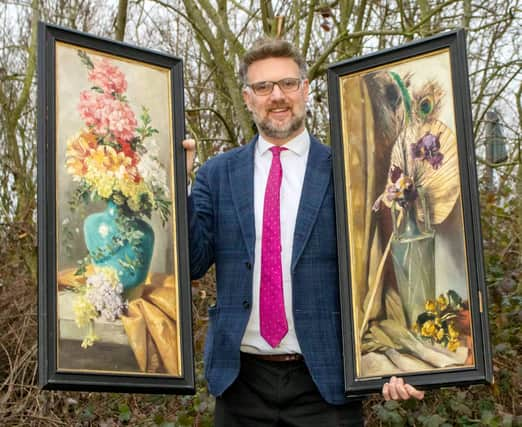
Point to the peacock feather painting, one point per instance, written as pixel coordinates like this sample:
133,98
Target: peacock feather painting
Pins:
407,245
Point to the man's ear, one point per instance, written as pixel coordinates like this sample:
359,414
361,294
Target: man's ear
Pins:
306,87
246,98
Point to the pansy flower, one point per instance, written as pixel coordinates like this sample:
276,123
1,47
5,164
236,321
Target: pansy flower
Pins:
401,190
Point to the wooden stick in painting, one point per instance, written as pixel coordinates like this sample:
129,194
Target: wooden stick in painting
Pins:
378,277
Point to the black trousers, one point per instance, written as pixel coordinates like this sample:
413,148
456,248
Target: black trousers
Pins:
280,394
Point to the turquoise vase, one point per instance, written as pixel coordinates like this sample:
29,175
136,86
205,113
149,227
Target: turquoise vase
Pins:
123,242
413,254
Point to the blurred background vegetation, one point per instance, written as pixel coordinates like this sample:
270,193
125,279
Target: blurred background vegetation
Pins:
210,37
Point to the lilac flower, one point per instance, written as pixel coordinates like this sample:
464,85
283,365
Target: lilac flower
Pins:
428,148
104,292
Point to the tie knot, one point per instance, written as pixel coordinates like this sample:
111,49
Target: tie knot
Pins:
277,150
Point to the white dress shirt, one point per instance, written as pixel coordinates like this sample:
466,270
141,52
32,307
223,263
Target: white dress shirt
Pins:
293,162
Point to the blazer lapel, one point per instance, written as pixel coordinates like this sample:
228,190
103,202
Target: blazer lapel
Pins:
241,178
317,177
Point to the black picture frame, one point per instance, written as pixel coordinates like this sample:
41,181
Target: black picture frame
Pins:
116,78
401,136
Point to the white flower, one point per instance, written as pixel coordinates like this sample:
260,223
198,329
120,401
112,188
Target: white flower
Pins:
152,148
104,292
153,171
103,229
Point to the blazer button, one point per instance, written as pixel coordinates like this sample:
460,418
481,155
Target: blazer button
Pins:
246,305
248,265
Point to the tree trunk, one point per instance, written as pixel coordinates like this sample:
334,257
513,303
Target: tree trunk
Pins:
121,20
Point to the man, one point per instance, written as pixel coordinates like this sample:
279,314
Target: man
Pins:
264,214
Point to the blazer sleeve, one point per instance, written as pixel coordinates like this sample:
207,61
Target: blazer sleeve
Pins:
201,225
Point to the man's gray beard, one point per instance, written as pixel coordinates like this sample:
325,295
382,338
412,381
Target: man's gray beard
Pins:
266,128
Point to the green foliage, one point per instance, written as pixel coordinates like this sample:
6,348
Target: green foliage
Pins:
145,130
444,408
85,59
124,412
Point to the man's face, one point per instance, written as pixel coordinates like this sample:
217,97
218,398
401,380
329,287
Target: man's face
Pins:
279,116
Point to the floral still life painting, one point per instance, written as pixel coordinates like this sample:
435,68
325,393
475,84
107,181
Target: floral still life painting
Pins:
408,257
117,291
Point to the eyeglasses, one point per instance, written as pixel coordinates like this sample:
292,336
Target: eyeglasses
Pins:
287,85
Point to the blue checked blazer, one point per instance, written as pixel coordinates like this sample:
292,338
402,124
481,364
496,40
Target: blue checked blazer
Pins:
222,232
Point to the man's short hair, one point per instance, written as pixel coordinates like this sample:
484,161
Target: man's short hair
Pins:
270,48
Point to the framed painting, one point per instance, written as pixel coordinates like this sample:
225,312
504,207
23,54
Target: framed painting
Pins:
114,304
410,255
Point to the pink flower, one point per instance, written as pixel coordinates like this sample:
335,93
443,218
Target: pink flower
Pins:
107,116
108,77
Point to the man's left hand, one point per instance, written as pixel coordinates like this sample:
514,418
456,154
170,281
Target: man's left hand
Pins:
397,389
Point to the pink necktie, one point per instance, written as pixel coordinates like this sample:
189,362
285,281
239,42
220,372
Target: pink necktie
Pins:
272,309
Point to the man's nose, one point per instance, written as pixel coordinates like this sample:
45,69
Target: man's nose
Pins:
277,93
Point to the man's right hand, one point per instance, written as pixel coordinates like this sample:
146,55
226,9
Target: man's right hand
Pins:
190,150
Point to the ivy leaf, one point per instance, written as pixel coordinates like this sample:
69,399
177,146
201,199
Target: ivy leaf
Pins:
460,408
432,421
125,413
87,413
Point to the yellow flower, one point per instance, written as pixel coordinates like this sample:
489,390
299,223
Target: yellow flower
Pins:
453,344
118,198
452,332
134,204
140,194
415,328
104,185
116,165
430,306
129,188
79,148
84,311
99,158
429,329
442,302
440,334
91,337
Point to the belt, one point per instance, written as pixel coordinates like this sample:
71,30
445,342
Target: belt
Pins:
292,357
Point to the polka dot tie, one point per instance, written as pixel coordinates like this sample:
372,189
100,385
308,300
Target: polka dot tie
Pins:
272,309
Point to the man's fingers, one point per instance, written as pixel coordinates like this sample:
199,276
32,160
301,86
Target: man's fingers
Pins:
386,391
401,389
190,149
413,392
397,389
393,388
189,144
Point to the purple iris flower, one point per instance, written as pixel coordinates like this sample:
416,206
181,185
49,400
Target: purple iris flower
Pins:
428,148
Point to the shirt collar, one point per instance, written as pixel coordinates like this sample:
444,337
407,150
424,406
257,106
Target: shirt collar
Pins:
298,145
